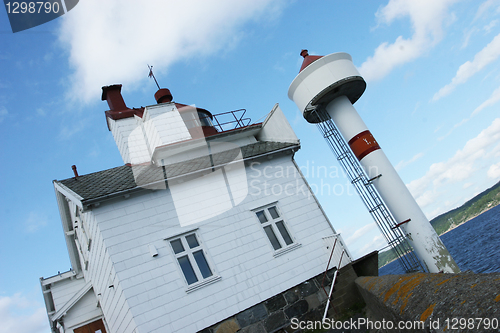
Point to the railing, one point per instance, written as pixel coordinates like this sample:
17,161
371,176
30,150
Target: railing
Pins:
337,258
230,120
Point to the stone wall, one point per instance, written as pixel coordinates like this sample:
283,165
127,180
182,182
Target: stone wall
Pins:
305,302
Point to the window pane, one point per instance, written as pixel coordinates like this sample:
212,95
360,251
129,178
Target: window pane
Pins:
272,237
262,217
192,241
205,119
284,232
177,246
187,269
202,264
274,212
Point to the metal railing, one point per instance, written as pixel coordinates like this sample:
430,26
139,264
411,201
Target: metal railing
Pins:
230,120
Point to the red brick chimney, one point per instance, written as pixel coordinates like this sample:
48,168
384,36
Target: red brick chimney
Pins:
112,94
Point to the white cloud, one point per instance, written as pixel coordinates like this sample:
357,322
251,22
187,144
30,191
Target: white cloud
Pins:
70,128
485,8
436,185
494,171
427,18
378,242
41,112
34,222
457,125
403,164
487,55
361,232
112,41
3,113
467,36
494,98
490,26
21,315
467,185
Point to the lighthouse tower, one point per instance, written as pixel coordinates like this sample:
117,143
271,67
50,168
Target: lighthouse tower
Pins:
325,90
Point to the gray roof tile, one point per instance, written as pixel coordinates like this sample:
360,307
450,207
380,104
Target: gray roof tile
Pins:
107,182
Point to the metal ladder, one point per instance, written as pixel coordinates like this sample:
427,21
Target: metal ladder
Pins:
394,235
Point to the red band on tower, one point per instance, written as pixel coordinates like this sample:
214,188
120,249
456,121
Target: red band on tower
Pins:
362,144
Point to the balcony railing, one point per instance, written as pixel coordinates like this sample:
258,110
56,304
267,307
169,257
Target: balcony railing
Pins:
230,120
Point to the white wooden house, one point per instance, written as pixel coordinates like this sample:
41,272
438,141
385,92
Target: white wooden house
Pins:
201,224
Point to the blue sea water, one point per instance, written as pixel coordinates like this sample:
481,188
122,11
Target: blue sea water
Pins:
474,245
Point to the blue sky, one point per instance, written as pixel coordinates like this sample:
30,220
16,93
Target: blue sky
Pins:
432,101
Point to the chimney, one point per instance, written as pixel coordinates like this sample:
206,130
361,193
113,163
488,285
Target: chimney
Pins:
163,95
112,94
74,170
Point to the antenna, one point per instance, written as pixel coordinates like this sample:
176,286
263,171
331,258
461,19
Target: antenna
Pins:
152,75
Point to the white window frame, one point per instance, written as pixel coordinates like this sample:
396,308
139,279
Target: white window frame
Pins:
272,223
188,251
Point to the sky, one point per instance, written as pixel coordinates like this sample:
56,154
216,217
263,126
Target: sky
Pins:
432,102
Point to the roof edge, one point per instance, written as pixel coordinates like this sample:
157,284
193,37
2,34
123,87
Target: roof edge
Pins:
68,193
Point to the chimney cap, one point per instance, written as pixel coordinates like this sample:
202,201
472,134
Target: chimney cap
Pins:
163,95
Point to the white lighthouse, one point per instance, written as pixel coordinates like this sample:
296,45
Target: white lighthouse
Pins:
324,91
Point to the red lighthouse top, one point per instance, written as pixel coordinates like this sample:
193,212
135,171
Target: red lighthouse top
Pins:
308,59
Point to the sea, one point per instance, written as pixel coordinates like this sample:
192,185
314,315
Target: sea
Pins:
474,245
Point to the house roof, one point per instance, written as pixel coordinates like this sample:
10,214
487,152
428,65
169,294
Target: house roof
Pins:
105,183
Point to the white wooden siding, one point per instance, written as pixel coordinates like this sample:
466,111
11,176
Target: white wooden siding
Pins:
85,310
102,275
64,290
152,289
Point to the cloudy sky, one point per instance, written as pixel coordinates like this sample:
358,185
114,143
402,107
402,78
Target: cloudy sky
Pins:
432,101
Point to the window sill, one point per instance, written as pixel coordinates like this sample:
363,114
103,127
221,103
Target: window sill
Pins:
201,284
287,249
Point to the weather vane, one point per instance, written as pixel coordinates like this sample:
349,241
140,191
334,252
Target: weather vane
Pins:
152,75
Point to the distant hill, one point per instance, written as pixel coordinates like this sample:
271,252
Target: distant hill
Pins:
472,208
455,217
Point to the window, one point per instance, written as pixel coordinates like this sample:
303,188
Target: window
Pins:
192,260
274,226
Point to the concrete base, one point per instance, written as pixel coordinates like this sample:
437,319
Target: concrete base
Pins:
437,301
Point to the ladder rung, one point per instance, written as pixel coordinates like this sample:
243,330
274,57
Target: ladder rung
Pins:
375,208
401,223
372,179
